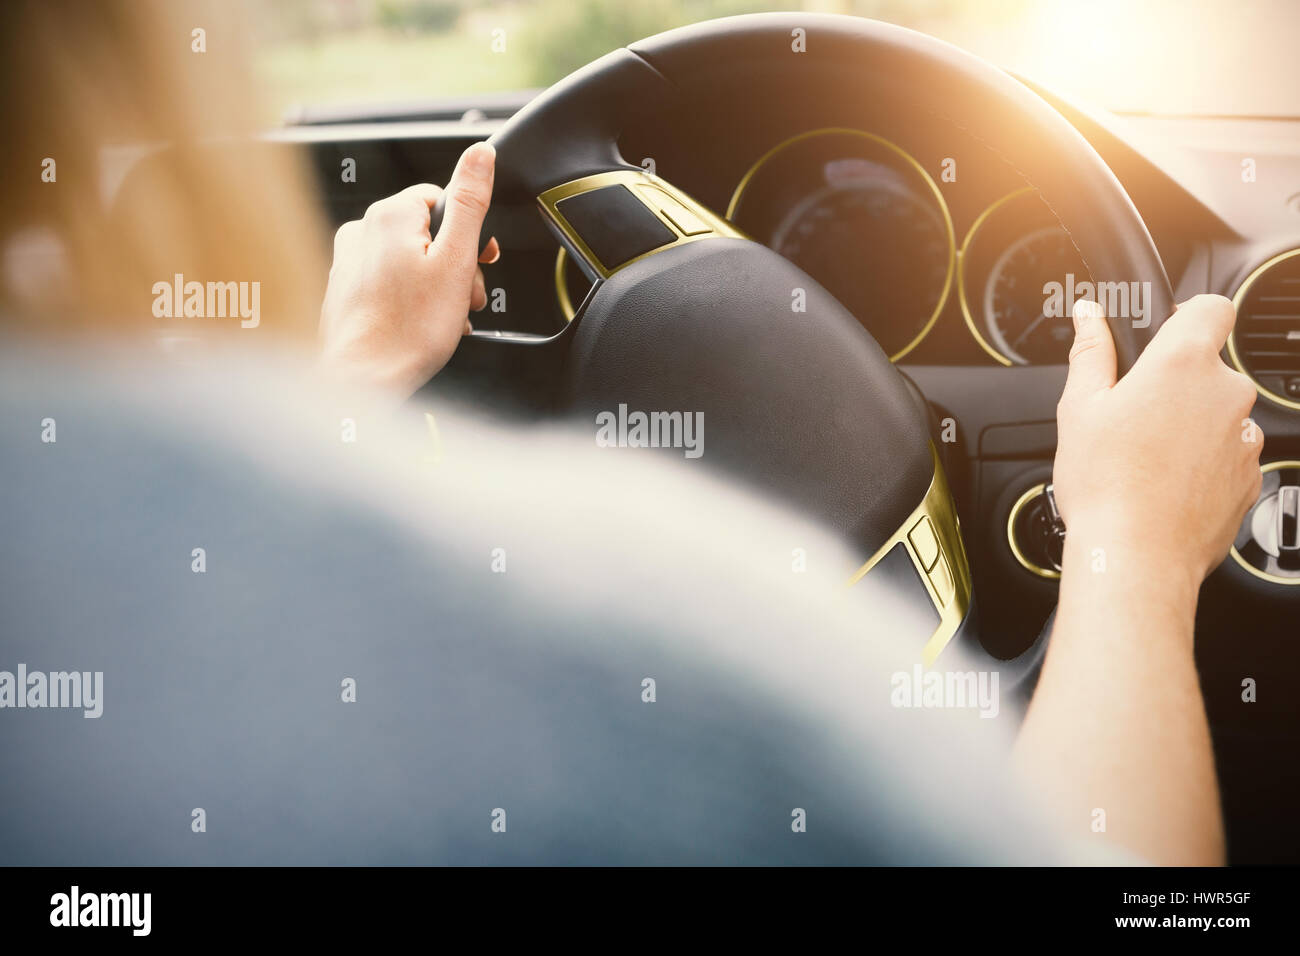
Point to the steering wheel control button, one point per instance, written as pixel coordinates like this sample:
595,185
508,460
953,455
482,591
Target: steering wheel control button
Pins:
615,225
942,582
924,543
929,543
685,221
1268,543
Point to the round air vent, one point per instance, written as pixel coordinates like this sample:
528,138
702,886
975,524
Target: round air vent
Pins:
1266,341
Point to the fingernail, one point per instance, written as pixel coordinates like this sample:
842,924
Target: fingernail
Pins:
480,158
1085,313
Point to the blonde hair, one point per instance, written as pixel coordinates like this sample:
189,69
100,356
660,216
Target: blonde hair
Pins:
90,81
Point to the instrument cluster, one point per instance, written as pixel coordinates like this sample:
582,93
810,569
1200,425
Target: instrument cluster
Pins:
865,218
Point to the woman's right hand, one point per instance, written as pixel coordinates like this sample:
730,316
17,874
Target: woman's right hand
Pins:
1164,463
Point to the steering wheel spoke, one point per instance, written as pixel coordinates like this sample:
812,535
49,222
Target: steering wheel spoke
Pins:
929,539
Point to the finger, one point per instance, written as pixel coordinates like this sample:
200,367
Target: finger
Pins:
407,209
468,195
1202,318
491,252
345,232
469,329
478,294
1092,357
344,239
427,193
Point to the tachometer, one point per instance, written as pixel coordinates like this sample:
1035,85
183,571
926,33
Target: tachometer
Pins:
1017,268
1020,323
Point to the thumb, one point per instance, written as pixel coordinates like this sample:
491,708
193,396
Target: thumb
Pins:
1092,357
466,203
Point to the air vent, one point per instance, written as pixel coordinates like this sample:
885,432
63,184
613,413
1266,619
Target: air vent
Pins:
1266,342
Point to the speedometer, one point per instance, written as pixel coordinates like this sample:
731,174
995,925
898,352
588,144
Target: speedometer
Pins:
862,217
859,239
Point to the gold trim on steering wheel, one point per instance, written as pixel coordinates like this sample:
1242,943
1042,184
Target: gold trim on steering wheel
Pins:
685,219
931,536
562,287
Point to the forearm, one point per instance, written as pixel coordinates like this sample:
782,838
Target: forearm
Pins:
1117,723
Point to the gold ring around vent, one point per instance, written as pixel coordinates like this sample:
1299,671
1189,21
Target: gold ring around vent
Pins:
1239,297
1236,555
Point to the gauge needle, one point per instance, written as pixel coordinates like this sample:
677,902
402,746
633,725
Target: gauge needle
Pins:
1028,328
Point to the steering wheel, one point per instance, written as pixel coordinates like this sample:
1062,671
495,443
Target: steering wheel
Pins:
688,315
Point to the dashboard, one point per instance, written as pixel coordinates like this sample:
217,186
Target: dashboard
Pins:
932,239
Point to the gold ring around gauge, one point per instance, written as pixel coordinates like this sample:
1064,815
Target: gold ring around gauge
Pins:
912,162
962,298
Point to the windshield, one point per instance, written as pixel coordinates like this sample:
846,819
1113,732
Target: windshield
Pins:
1170,57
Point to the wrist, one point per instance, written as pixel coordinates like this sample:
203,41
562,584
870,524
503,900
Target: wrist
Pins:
1123,565
353,366
1139,545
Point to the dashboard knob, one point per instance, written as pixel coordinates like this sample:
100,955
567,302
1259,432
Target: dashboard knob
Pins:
1268,543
